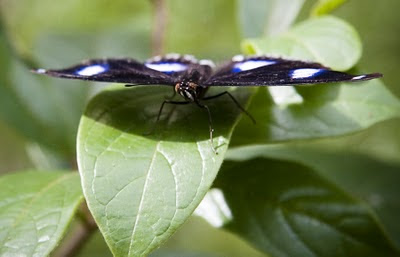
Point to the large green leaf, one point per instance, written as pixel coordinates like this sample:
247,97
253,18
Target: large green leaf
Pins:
139,188
287,209
267,17
374,181
327,40
35,210
325,110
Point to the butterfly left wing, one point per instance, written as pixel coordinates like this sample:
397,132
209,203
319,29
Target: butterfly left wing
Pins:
265,71
127,71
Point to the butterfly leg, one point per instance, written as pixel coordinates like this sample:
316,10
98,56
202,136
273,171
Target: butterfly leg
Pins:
235,101
160,112
210,123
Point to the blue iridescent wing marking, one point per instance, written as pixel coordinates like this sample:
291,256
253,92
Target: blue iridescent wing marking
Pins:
127,71
266,71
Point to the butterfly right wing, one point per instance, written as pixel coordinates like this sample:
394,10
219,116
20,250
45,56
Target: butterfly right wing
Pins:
268,71
125,70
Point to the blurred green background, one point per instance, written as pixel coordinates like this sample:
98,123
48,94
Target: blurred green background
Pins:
59,33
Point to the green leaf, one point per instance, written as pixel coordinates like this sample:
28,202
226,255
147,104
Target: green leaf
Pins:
326,110
327,40
287,209
35,210
323,7
267,17
139,188
374,181
318,111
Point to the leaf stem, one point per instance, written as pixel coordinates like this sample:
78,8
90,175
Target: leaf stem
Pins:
159,27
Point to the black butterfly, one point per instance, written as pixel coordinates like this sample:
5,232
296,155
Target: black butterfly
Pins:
191,78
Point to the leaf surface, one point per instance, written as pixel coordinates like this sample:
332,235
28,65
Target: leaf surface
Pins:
35,210
374,181
267,17
325,111
326,40
141,188
287,209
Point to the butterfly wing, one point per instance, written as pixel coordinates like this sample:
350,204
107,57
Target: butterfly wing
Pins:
162,70
265,71
127,71
182,67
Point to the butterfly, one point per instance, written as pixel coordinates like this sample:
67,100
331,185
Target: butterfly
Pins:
191,78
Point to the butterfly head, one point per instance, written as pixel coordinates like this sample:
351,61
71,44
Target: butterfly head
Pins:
188,90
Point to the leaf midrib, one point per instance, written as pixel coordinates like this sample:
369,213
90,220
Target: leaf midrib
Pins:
142,197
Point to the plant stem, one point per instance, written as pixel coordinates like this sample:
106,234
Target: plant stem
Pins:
159,26
79,236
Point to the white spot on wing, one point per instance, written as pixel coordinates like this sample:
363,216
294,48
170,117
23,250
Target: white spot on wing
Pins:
304,73
251,64
41,71
359,77
167,67
92,70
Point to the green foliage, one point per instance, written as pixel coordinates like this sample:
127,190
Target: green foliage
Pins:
327,40
323,7
278,203
318,111
36,209
141,187
323,111
267,17
346,169
32,105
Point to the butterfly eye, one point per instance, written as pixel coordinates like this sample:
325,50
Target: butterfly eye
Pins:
92,70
